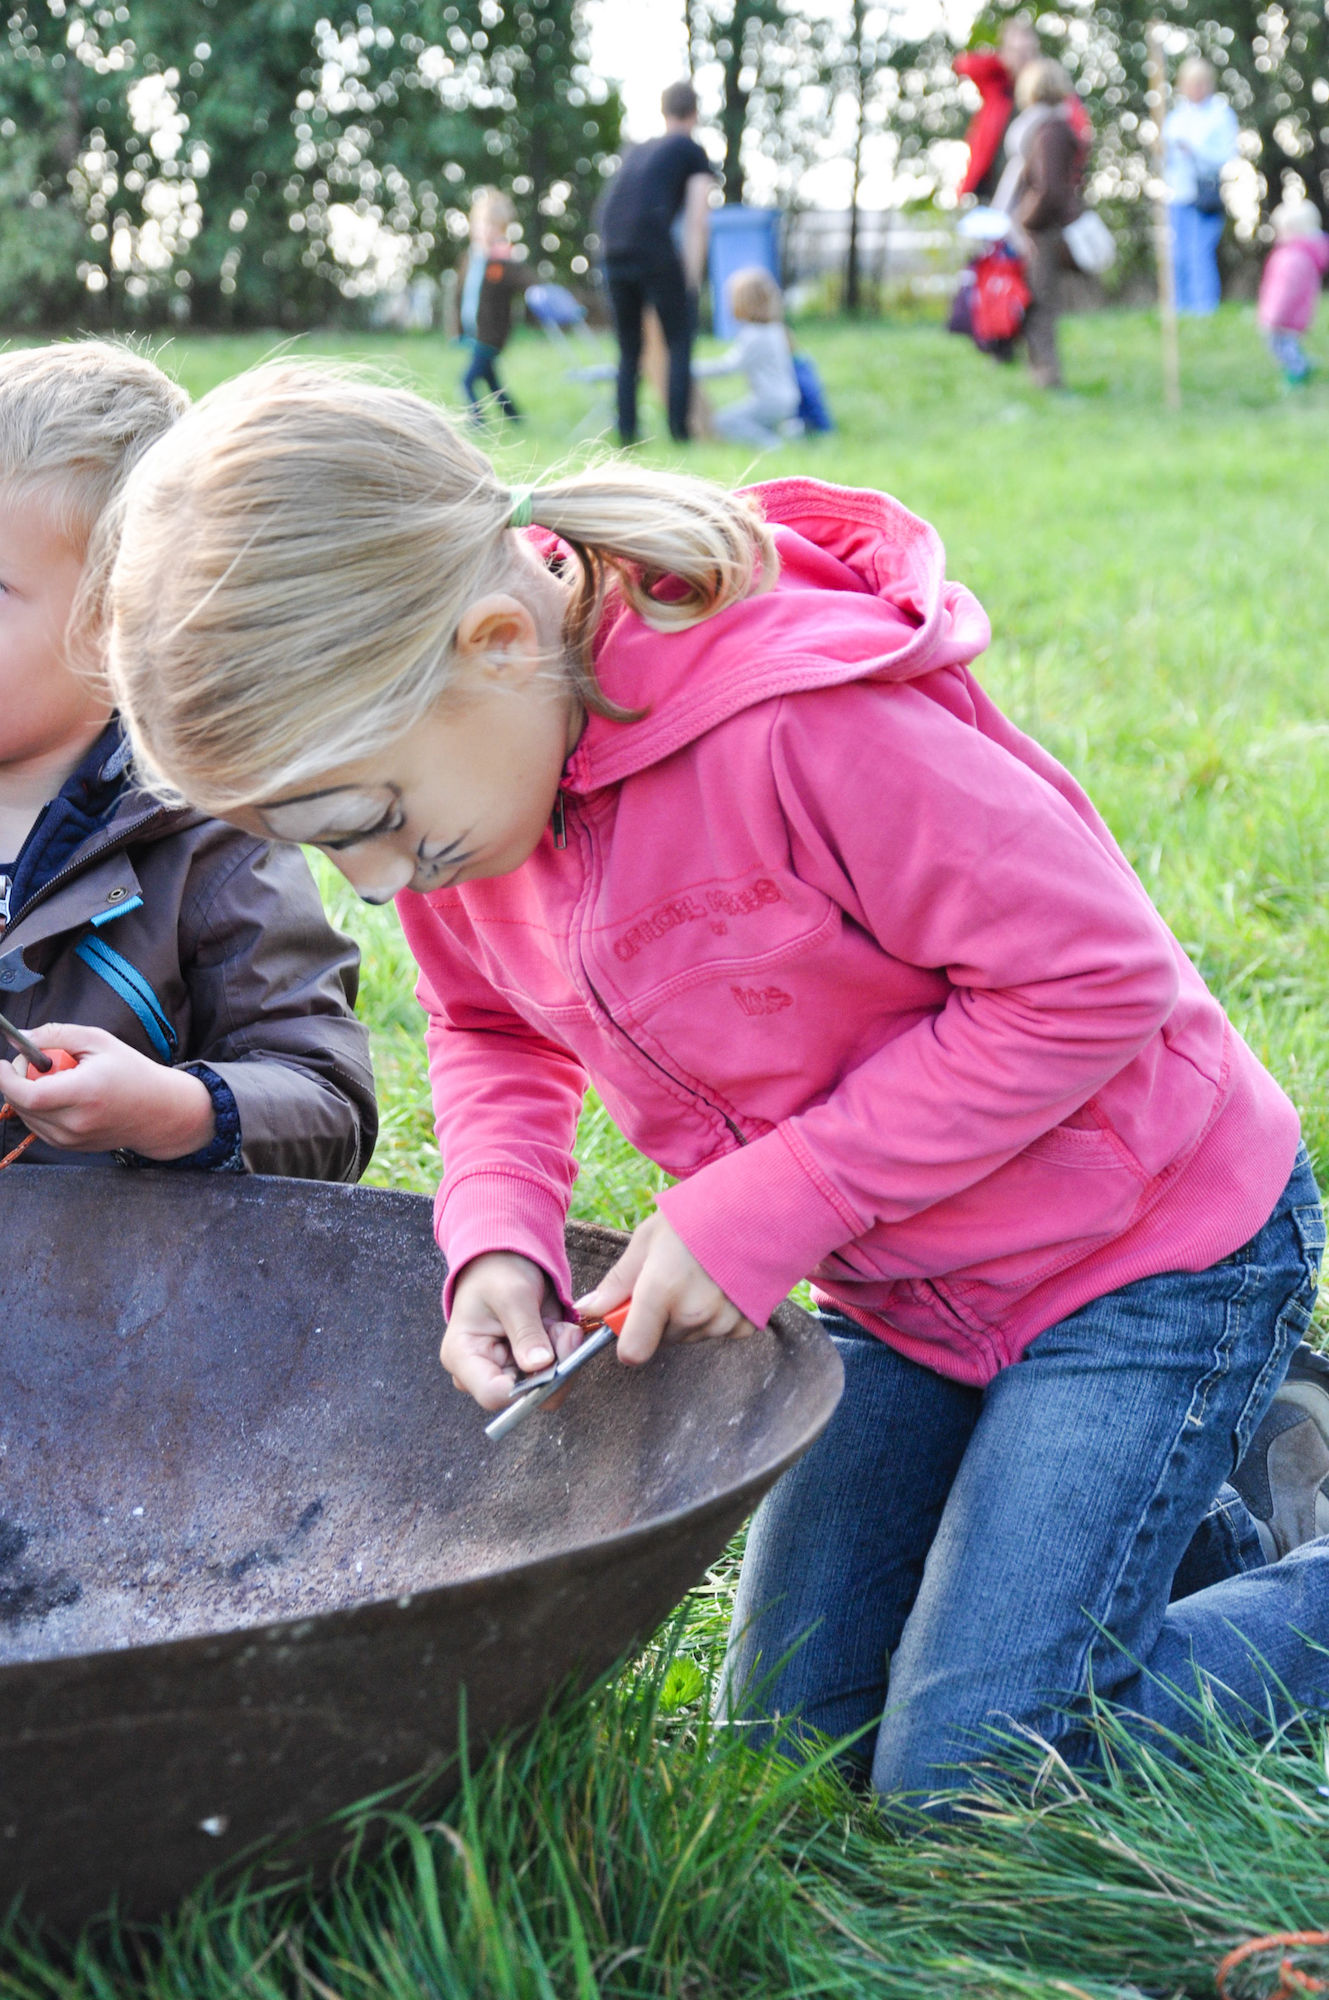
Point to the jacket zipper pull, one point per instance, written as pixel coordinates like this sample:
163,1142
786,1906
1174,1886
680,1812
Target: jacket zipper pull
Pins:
558,822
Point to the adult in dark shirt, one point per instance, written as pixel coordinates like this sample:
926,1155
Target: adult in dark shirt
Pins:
643,267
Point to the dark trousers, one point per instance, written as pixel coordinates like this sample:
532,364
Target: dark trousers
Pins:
1045,264
483,367
632,287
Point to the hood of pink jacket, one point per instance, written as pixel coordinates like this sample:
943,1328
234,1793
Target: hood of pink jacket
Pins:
897,618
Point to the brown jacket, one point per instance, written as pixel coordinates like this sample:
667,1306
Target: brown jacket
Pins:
1050,188
229,935
503,280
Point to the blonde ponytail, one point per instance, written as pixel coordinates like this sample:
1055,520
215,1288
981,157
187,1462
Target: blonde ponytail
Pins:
636,530
297,554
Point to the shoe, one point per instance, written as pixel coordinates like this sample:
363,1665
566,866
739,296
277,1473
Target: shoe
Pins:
1284,1476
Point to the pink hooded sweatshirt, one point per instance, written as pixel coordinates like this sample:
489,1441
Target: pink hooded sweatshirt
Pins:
1290,283
858,962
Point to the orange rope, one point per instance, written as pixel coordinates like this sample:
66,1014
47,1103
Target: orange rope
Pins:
8,1111
1291,1983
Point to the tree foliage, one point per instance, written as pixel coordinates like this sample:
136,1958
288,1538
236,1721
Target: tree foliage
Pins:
267,161
860,76
770,57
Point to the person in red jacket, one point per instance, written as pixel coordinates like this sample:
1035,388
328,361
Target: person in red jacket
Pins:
994,71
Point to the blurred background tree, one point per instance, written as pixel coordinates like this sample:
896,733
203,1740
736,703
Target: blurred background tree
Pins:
770,56
272,163
64,119
860,78
262,162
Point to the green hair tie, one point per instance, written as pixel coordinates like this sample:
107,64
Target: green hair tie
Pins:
522,499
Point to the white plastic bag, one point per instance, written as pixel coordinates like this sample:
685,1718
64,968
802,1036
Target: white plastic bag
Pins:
1089,241
983,225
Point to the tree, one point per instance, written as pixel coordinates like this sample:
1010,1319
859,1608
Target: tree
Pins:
262,162
521,106
240,74
770,59
69,135
859,74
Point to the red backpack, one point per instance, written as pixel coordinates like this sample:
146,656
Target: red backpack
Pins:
1000,297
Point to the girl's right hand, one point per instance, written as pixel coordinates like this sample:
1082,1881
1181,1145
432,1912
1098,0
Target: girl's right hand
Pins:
506,1321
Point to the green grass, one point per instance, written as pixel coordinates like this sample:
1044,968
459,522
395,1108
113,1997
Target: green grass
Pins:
1156,598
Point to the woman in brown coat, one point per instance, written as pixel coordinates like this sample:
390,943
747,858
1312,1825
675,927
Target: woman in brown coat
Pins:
1044,197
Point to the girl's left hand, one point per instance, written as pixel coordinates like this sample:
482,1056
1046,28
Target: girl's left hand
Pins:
670,1294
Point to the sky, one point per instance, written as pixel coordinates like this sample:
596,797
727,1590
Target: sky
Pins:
641,46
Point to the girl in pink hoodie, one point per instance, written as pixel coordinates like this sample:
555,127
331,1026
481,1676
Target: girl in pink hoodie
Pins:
1290,286
696,797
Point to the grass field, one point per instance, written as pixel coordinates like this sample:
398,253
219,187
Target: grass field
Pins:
1155,590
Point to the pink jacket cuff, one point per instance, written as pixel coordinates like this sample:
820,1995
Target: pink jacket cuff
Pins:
501,1211
760,1220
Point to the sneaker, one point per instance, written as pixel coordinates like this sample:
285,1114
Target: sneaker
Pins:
1284,1477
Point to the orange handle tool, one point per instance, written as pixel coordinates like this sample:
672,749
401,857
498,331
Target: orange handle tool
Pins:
528,1394
44,1061
613,1319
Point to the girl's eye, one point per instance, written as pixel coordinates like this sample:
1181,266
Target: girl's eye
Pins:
390,823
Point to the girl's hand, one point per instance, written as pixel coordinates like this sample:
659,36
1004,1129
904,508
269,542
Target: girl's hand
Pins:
114,1097
506,1320
670,1294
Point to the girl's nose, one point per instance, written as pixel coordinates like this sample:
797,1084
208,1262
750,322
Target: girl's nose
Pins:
377,877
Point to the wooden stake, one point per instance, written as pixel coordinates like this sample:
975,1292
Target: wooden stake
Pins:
1167,277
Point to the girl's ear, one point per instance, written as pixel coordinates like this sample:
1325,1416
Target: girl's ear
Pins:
498,634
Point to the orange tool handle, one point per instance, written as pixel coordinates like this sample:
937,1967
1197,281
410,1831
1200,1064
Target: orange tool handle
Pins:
57,1059
42,1060
613,1319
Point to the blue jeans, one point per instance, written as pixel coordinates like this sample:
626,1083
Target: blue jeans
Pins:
986,1557
1195,240
483,367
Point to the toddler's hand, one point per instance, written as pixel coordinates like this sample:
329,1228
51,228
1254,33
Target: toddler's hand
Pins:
669,1291
505,1320
114,1097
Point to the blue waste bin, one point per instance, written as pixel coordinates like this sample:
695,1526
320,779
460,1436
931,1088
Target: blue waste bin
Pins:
740,238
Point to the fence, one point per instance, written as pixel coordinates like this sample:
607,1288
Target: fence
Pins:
895,249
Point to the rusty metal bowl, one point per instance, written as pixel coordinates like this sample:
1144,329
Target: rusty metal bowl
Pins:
253,1544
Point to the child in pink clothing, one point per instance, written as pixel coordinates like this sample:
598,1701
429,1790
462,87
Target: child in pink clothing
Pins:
1290,286
696,796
